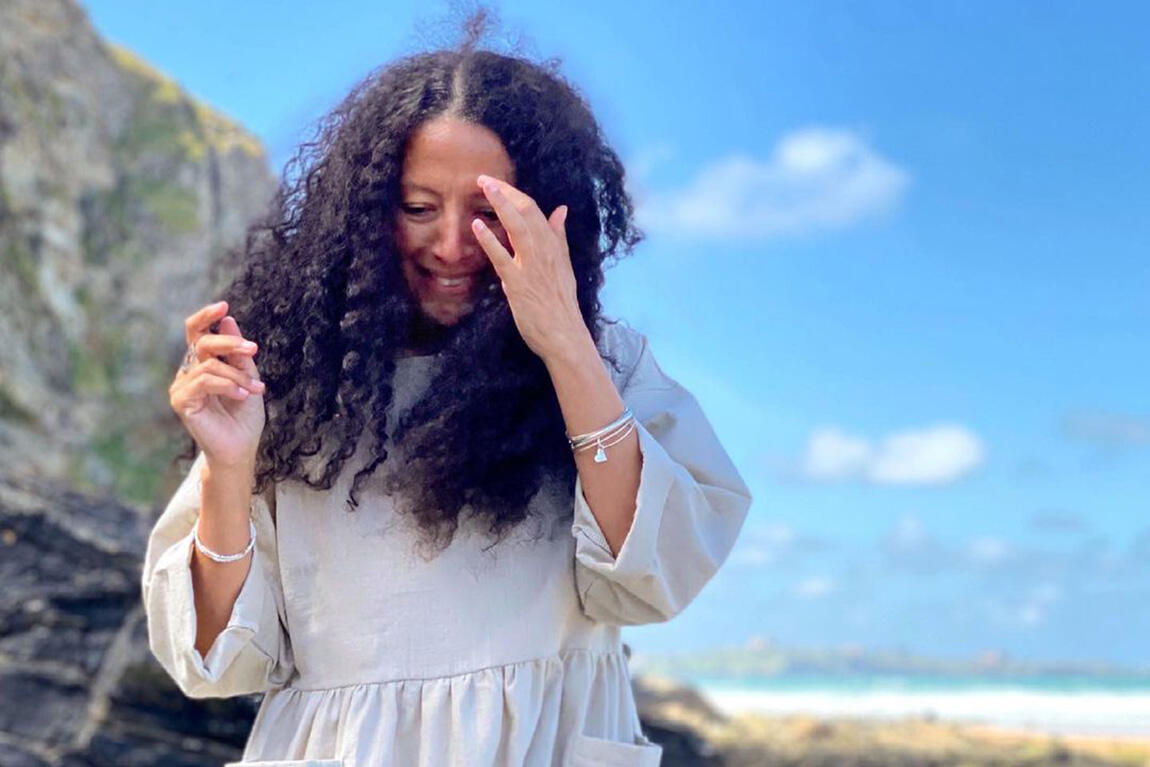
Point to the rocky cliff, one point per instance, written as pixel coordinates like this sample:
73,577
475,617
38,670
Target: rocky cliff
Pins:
120,199
120,195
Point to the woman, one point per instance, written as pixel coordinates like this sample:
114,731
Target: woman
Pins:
424,302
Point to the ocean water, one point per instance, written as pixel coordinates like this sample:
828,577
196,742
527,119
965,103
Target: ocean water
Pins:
1053,704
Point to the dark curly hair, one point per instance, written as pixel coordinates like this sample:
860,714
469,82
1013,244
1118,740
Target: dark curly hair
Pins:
319,287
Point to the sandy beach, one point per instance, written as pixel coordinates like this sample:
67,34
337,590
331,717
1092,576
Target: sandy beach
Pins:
1087,714
728,730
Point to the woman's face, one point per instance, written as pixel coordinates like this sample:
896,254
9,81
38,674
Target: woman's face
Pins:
440,197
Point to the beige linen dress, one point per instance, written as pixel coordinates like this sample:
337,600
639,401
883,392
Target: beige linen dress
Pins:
370,655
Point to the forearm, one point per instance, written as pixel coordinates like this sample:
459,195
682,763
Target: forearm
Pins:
223,527
589,401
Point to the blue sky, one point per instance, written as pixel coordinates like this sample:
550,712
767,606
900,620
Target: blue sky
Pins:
893,249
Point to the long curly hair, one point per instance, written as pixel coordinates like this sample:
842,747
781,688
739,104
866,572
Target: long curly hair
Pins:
319,287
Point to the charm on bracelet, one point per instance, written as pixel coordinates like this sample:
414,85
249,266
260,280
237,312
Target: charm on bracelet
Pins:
603,438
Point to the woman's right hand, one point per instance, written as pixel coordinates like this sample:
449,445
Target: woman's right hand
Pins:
220,403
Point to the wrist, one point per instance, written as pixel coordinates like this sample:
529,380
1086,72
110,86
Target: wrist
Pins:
571,347
228,486
227,470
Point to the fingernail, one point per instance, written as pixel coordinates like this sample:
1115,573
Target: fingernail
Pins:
219,305
248,346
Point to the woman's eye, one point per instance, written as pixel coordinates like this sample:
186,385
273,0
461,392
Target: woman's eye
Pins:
490,214
415,209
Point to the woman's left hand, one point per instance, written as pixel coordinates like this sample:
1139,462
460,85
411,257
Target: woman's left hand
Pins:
537,279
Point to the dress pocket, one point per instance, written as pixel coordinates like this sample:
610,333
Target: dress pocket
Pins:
290,763
589,751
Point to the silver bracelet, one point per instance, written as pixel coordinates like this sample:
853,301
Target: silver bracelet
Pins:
584,439
608,441
225,557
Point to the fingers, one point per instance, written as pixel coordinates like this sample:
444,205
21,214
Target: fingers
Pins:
235,377
190,393
558,222
239,351
225,344
492,246
216,368
241,377
198,323
228,343
517,211
519,201
224,386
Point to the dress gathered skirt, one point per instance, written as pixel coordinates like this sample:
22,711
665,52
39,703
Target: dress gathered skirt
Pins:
370,654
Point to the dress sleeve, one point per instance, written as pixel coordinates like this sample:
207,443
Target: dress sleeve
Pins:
691,504
253,652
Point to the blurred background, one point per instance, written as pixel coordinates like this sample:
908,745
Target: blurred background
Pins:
895,249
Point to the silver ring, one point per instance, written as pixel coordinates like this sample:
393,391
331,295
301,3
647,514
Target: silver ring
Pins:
189,358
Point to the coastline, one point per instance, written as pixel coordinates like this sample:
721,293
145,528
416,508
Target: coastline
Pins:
1083,714
700,731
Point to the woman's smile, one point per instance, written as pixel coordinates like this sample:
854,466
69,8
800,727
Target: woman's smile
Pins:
449,286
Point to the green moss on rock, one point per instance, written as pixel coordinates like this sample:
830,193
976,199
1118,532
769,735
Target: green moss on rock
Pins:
168,117
175,207
11,410
137,468
19,261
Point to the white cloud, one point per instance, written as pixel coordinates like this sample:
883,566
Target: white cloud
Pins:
774,543
936,454
815,587
933,455
763,543
833,455
988,551
1031,615
642,164
816,178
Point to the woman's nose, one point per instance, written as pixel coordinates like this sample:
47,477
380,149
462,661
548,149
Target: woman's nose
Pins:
456,243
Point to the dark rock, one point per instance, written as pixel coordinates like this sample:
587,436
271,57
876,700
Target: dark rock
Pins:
682,745
78,684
